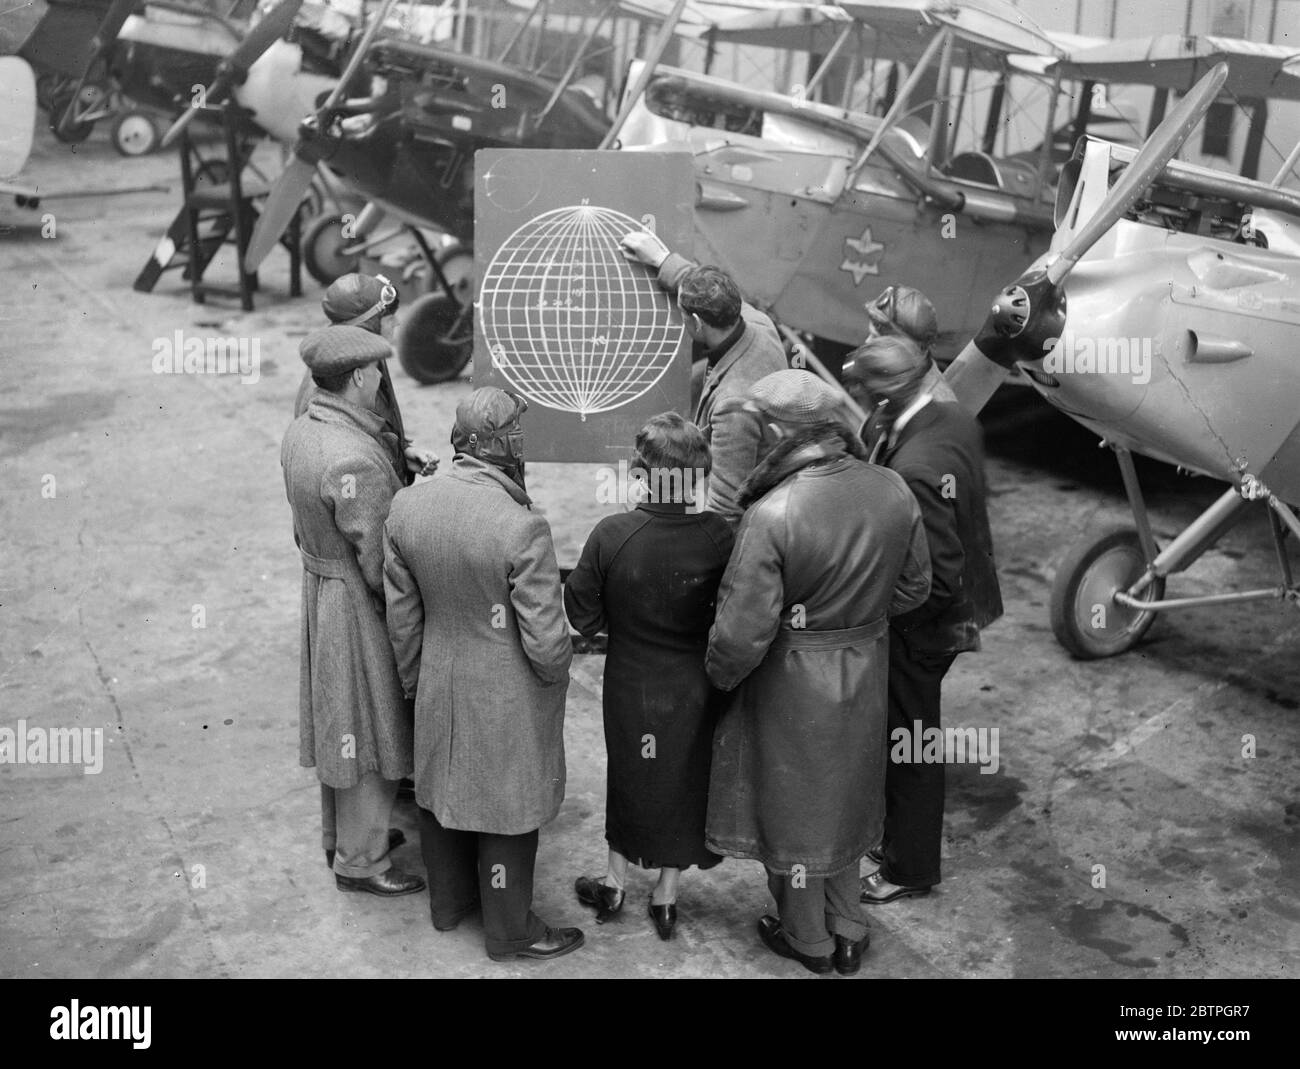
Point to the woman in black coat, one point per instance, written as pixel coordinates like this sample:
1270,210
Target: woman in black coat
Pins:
650,578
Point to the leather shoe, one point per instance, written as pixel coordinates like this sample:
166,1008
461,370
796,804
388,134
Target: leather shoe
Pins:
389,884
555,943
769,930
665,918
395,839
876,890
848,954
608,901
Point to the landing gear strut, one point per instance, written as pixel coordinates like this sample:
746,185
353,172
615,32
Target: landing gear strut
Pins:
437,335
1109,588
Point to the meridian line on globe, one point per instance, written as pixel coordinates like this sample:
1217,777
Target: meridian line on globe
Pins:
555,386
569,321
518,300
535,344
581,365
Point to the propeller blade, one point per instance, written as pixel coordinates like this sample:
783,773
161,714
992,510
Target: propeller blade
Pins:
235,66
974,378
178,127
283,201
293,183
263,35
1159,149
357,56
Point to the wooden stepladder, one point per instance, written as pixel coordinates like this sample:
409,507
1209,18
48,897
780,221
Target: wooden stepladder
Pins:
219,207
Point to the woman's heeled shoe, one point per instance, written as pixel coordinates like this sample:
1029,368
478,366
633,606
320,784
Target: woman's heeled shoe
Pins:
665,918
606,900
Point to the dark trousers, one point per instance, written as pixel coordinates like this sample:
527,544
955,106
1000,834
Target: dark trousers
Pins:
469,868
913,790
815,909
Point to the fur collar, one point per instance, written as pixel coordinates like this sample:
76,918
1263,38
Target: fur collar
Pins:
808,445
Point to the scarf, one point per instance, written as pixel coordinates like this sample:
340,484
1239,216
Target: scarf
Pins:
812,444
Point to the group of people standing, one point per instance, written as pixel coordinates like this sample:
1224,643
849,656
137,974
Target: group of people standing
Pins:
761,642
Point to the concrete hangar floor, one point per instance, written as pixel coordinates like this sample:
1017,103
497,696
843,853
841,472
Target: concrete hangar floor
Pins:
195,851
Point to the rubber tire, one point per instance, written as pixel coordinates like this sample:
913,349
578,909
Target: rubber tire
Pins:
136,147
423,348
1093,571
75,134
322,240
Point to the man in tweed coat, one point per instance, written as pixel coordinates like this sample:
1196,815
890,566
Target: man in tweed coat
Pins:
735,345
354,724
477,622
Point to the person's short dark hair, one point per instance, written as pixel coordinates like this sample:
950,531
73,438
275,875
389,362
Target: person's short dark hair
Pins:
668,440
710,293
672,459
332,383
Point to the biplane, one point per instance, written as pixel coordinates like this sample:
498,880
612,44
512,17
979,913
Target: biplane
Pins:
819,193
1158,320
407,145
815,206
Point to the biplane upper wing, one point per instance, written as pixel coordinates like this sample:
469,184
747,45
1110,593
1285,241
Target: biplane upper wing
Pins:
896,29
697,12
1172,61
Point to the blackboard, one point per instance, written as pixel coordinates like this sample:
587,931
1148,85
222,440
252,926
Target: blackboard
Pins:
561,316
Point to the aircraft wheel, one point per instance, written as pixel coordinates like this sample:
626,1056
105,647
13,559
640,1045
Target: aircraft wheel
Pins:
77,132
1085,617
134,133
435,339
322,249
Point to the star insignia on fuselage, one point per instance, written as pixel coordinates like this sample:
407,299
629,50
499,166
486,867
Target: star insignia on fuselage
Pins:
868,256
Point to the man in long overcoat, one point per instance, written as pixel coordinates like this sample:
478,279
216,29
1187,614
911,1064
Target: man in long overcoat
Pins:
734,346
938,449
354,723
370,302
477,622
828,549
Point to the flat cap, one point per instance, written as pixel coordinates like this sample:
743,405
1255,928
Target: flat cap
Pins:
795,396
337,350
354,298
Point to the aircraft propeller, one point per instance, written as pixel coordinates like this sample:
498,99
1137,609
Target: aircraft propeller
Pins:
308,150
232,70
104,37
1032,309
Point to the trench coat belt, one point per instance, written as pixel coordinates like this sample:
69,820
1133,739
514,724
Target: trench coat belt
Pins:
340,568
789,638
323,566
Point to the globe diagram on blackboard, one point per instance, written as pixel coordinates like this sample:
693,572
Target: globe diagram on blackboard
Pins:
569,321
